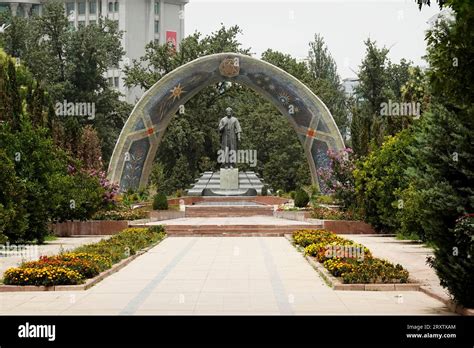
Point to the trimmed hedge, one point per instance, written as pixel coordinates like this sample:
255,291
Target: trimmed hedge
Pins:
301,198
160,202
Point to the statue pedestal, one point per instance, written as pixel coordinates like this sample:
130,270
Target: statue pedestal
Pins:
229,179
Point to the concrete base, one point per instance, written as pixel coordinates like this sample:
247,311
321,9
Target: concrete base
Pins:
210,184
229,179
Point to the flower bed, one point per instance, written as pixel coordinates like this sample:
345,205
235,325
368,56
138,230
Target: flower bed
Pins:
325,213
352,263
135,214
85,262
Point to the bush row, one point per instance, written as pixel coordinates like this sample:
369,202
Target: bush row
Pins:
84,262
350,261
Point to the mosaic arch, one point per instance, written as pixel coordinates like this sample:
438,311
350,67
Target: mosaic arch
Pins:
140,138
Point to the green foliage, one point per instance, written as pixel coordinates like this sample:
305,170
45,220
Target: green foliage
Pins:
454,263
70,65
380,81
301,198
377,179
265,190
124,244
13,216
160,202
37,170
326,83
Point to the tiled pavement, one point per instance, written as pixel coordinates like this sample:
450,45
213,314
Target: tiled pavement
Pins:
222,275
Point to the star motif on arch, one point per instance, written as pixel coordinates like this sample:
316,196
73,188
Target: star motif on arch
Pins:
284,98
176,92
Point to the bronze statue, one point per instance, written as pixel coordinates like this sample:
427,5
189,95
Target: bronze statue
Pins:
229,129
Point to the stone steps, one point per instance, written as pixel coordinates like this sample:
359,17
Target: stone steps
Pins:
235,230
228,211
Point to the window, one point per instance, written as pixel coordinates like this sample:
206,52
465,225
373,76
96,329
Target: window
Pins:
116,82
70,7
111,7
157,27
81,7
116,6
93,7
20,11
4,8
35,9
81,23
157,7
111,81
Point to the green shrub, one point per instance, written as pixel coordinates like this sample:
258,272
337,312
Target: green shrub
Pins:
264,190
160,202
454,262
379,177
124,244
325,199
301,199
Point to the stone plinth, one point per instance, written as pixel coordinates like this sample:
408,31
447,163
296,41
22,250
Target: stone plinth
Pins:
229,179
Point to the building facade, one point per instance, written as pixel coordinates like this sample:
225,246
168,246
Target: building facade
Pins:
141,21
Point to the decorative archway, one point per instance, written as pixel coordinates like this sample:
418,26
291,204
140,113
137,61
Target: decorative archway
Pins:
136,147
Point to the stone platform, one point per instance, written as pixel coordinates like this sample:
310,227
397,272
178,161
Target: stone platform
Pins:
233,226
209,184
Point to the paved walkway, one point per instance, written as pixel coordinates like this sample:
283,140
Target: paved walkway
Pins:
218,275
412,255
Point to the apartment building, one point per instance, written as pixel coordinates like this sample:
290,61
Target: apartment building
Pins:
141,21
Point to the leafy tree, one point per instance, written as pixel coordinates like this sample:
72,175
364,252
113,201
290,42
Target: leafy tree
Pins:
380,81
440,170
89,149
38,188
13,216
71,65
377,179
326,82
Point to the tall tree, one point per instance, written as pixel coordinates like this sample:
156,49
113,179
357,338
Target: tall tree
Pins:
70,64
326,82
441,169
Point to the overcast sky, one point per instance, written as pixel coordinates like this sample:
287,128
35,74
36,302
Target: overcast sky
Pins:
288,26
